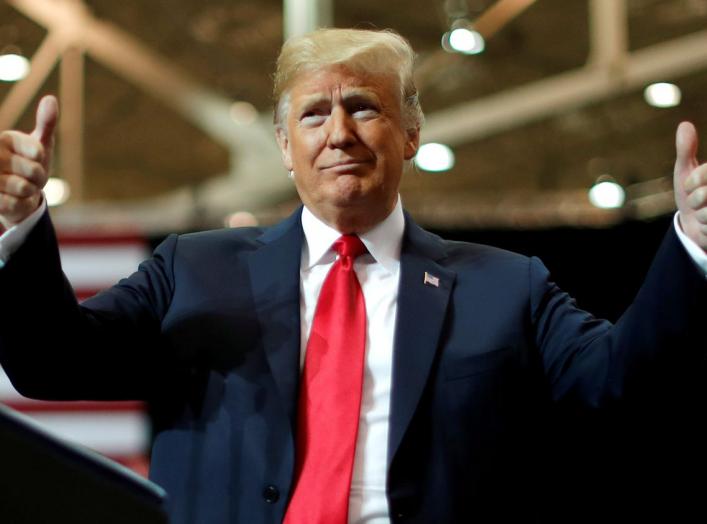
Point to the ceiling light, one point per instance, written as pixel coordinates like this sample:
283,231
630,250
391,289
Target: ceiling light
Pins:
467,41
13,67
607,194
662,94
57,191
434,157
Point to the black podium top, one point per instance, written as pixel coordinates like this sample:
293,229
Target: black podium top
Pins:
45,480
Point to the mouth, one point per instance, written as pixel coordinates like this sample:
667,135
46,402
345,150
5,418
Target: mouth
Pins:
346,166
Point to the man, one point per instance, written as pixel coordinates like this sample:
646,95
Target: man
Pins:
466,346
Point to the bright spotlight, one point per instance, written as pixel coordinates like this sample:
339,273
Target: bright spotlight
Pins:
57,191
467,41
662,94
607,195
434,157
13,67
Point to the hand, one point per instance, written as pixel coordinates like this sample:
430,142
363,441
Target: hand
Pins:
24,164
690,180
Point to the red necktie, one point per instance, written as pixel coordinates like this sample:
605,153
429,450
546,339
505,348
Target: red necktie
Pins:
330,395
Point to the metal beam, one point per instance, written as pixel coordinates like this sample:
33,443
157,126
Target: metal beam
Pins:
255,175
303,16
71,92
590,84
22,93
608,31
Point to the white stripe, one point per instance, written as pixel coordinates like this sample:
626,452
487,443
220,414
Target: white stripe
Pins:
7,392
108,433
100,265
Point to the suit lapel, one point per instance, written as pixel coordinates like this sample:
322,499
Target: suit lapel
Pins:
275,277
422,304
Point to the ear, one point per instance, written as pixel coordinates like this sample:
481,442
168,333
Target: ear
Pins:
412,143
284,143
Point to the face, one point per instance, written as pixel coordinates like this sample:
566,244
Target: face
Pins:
346,144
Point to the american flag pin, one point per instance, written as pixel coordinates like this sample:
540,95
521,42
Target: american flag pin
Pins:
431,280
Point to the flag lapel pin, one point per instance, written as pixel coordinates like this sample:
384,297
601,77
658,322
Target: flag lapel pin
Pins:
431,280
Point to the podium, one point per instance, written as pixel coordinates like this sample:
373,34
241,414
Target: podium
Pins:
45,480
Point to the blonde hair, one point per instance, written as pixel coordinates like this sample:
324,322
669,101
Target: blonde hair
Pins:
361,50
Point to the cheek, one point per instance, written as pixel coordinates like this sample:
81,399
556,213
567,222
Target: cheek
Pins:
306,148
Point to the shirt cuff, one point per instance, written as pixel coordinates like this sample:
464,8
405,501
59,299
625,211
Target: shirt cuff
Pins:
13,238
696,253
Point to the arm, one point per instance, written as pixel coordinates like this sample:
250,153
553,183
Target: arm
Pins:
51,347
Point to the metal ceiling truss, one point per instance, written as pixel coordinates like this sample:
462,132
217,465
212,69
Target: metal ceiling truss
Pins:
256,177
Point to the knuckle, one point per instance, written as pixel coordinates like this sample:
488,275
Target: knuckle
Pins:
25,188
8,204
701,195
36,173
698,197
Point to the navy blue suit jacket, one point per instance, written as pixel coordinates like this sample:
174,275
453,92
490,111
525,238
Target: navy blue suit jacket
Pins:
208,331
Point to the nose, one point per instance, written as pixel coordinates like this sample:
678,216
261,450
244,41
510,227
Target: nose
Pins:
341,132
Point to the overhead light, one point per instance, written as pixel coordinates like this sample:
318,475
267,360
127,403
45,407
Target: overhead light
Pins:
13,67
57,191
466,41
607,193
662,94
434,157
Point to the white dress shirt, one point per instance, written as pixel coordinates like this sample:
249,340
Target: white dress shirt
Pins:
378,272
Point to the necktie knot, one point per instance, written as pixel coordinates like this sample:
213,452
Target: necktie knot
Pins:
349,246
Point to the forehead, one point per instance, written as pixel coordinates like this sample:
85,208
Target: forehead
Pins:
334,81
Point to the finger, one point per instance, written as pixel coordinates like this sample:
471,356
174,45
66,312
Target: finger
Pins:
701,217
33,171
17,186
697,178
46,119
15,209
698,198
686,149
22,144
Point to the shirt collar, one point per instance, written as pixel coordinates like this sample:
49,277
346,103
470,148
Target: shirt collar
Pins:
383,241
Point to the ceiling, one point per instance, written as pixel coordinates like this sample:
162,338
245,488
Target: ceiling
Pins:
533,121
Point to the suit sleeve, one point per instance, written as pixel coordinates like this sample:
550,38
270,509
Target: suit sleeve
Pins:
660,339
107,348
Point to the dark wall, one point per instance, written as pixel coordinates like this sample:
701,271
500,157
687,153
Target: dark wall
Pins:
601,268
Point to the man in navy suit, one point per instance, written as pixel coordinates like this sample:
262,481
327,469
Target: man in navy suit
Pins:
468,347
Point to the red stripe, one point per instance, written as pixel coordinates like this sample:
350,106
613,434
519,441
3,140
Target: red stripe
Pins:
83,294
140,464
35,406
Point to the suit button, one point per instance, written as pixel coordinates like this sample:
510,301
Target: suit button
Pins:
271,494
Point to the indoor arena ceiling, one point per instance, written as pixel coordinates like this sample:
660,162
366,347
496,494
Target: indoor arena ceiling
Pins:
555,101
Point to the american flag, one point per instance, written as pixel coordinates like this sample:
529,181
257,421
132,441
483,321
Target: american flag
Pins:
119,430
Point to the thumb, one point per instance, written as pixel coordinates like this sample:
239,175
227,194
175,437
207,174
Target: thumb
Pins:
47,116
686,150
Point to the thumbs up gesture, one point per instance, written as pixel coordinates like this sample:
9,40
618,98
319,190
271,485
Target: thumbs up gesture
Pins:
690,179
24,165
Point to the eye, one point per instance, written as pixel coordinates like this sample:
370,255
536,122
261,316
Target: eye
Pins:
364,110
313,117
